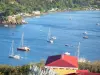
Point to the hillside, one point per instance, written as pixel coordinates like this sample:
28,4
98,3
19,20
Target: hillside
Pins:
15,6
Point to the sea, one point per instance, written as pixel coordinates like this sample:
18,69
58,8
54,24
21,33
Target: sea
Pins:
68,27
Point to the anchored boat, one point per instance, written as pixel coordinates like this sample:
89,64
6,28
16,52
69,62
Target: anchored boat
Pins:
12,55
49,38
22,47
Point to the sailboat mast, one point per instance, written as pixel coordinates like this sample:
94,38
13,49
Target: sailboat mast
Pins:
78,50
12,47
22,39
49,34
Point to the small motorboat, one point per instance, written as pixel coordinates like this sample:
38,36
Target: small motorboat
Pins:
54,37
85,33
50,41
67,53
85,37
6,25
66,44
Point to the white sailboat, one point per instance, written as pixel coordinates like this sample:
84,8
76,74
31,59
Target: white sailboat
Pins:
49,39
23,48
78,55
12,55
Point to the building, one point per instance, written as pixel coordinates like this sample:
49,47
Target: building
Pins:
62,64
65,64
36,13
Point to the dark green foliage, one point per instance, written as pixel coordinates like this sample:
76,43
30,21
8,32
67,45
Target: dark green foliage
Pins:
11,70
24,70
91,66
16,6
41,64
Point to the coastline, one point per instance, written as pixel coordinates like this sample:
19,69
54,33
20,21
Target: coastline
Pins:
22,21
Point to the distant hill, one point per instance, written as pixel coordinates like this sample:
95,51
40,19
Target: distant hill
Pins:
16,6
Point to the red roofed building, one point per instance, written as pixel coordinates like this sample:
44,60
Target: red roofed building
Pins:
62,64
66,65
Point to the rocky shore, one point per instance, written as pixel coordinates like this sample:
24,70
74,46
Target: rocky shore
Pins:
18,19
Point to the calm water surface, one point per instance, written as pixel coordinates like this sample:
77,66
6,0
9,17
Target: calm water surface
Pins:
67,32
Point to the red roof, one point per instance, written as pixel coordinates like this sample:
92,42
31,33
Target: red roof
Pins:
82,71
93,73
62,61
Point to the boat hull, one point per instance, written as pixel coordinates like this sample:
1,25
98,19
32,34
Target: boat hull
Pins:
85,37
11,56
14,56
50,41
23,49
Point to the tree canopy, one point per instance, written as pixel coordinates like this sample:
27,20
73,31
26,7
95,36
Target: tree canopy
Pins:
16,6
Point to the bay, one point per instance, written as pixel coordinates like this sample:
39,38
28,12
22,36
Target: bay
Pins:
67,32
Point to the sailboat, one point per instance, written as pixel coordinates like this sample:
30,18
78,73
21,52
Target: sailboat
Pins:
23,48
85,35
78,55
49,39
12,55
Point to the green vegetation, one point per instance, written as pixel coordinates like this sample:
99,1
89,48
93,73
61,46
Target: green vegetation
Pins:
91,66
11,70
25,69
10,7
18,70
16,6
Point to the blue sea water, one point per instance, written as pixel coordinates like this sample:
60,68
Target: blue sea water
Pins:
67,32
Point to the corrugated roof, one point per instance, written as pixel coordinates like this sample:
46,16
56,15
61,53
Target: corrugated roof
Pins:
62,61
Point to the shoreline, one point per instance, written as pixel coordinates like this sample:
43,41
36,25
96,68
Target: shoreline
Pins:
42,13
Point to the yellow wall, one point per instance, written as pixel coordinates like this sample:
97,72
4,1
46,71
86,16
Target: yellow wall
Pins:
63,71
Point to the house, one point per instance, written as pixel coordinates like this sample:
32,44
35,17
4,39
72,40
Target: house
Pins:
62,64
36,13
